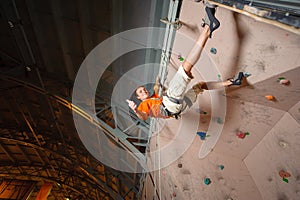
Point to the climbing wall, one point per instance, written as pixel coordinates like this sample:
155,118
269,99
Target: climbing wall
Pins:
277,151
256,155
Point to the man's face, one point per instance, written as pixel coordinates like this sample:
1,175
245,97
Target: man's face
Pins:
142,93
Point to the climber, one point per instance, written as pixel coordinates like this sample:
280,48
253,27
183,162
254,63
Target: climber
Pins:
176,100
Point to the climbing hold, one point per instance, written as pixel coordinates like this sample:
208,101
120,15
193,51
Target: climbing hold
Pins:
174,194
179,165
284,174
207,181
270,97
284,82
180,58
221,167
246,74
219,77
281,78
283,144
285,180
219,120
202,135
242,135
213,50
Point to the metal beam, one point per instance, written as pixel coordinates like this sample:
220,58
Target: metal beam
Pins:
27,122
115,134
37,178
100,183
7,154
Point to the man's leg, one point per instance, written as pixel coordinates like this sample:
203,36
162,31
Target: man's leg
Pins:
236,80
213,85
196,51
211,23
190,96
179,82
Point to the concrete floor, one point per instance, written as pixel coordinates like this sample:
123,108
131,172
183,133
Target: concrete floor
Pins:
251,165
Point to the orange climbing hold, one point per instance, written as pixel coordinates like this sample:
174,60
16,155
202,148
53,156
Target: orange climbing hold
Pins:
270,97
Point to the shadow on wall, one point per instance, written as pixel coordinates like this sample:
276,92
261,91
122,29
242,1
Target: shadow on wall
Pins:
241,37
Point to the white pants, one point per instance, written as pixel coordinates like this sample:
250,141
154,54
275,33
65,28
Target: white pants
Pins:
176,90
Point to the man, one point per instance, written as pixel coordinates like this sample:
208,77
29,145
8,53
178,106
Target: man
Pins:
176,100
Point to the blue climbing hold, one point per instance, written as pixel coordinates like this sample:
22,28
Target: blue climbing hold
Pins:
213,50
202,135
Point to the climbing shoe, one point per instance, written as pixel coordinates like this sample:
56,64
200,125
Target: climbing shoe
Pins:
210,19
237,79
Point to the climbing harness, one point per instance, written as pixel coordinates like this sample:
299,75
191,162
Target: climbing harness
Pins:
169,113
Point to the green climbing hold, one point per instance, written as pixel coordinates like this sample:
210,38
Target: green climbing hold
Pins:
221,167
281,78
207,181
219,120
247,133
285,180
180,58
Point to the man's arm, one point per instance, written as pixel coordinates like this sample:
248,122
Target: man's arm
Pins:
157,86
140,114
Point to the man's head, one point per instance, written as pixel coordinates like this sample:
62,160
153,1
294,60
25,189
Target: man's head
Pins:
141,93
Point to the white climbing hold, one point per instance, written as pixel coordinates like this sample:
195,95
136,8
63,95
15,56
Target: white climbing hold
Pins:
283,144
284,82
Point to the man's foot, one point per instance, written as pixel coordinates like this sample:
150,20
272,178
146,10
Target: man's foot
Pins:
209,5
210,19
237,79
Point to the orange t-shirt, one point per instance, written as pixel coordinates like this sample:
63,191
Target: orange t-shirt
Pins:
151,106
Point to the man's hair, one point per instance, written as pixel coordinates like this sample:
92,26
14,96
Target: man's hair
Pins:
135,91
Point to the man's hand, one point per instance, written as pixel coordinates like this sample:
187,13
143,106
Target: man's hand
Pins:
131,104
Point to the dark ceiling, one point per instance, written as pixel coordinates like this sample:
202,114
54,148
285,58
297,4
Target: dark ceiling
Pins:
42,45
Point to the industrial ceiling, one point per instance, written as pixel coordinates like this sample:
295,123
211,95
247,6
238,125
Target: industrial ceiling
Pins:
42,46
